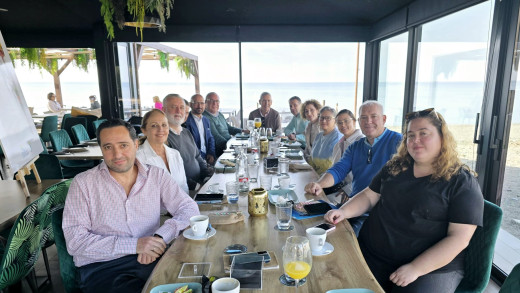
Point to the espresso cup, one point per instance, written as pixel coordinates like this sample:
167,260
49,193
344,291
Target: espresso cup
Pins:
317,238
226,285
199,224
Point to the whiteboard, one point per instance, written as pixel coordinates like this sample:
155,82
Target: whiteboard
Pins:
18,136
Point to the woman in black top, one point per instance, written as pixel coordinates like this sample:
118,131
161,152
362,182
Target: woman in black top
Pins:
425,206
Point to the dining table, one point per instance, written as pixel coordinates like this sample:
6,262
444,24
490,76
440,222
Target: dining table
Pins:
342,268
90,152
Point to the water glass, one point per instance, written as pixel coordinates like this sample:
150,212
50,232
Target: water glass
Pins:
253,172
284,182
266,182
232,191
283,215
251,158
283,166
269,132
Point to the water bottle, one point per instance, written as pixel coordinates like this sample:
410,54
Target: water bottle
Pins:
242,173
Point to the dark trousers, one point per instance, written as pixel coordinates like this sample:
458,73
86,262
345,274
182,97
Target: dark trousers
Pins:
434,282
123,274
357,223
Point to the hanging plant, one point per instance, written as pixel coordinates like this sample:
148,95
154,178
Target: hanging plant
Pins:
164,60
82,60
114,10
37,58
186,66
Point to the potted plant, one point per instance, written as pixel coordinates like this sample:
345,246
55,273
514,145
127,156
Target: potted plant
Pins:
114,10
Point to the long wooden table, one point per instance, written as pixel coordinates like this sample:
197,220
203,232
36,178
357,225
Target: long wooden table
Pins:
13,200
345,267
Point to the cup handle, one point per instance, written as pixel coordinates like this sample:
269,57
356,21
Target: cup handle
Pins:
194,228
321,242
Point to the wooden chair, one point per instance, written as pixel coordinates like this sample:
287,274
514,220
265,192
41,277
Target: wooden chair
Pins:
480,251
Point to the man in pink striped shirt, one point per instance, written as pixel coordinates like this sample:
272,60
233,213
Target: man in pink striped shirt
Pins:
111,219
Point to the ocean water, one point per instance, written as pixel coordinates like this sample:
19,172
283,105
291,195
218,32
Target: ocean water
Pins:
458,102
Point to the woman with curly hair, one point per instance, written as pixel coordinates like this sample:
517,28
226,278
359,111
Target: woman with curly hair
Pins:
310,111
425,206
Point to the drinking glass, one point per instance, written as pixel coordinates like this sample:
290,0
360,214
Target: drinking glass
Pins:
297,258
283,216
258,122
269,132
253,172
232,191
250,124
266,181
263,132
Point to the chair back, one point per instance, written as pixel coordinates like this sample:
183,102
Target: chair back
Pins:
57,194
97,123
480,251
68,271
80,133
60,139
23,244
512,283
67,125
90,127
49,124
65,117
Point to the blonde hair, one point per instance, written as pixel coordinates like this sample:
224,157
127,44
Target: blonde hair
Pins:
156,99
313,102
446,164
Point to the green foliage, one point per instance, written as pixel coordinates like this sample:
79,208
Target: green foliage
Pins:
115,9
186,66
82,60
33,57
36,58
164,60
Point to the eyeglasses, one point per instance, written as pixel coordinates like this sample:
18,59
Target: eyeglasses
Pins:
423,113
369,156
345,121
326,118
213,101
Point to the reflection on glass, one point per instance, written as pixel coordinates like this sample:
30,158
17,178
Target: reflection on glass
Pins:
392,74
451,71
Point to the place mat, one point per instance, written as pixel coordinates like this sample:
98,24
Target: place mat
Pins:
273,264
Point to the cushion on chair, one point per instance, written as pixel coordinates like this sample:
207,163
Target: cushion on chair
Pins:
480,251
68,271
23,245
512,283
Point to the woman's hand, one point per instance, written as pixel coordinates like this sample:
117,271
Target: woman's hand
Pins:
313,188
334,216
405,275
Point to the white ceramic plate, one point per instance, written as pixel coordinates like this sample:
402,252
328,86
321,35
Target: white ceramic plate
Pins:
188,233
327,249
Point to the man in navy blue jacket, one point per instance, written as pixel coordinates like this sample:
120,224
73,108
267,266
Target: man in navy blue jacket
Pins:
198,125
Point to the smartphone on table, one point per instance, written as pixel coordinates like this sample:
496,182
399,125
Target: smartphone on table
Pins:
326,226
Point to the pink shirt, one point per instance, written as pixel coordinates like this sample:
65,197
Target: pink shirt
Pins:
102,223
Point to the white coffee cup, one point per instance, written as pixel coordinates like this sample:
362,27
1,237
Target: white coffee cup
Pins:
284,182
226,285
199,224
317,238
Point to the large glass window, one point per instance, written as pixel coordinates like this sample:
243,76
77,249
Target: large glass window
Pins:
451,71
392,74
322,71
218,72
507,252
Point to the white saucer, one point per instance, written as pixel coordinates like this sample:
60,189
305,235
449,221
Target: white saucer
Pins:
188,233
291,186
327,249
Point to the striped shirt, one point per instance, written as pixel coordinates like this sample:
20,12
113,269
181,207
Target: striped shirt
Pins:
102,223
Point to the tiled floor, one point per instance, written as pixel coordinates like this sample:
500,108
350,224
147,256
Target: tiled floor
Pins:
57,285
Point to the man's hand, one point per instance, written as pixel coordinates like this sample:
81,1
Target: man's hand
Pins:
404,275
292,136
154,247
313,188
145,259
210,159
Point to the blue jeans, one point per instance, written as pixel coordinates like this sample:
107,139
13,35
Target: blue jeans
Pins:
123,274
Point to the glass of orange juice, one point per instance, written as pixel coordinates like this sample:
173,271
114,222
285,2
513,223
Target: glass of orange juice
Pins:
297,259
258,122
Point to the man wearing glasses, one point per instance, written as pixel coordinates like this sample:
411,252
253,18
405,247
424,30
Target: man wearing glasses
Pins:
220,129
364,157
